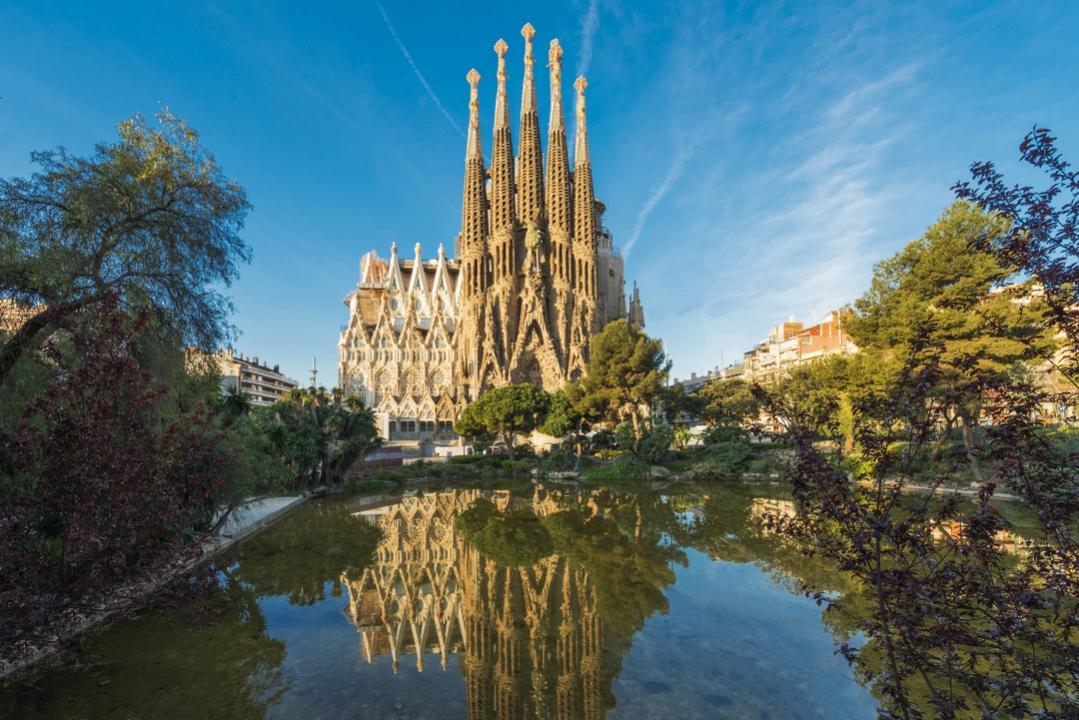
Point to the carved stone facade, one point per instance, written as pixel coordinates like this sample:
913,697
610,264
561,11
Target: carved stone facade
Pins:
536,275
396,353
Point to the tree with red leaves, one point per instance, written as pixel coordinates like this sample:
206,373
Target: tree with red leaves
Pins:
99,482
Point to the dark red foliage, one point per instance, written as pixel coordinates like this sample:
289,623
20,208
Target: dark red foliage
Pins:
1044,237
103,480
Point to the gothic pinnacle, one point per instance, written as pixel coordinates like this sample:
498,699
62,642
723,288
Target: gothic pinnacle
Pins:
501,104
554,62
530,155
475,144
474,202
501,192
580,150
558,201
528,94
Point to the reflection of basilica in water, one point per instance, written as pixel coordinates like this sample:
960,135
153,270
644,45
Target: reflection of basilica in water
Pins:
530,639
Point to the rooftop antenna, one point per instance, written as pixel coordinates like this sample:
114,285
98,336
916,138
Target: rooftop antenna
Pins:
314,372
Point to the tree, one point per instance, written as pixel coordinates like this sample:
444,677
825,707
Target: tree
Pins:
626,372
561,418
234,404
99,479
1042,241
679,406
727,402
317,436
150,221
952,626
941,304
504,412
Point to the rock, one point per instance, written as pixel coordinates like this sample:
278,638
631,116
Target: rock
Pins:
658,471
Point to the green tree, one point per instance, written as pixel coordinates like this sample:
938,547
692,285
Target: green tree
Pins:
319,435
941,305
149,220
504,412
561,418
234,404
625,374
727,402
680,406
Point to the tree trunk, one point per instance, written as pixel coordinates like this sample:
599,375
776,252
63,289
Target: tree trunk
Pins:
24,339
971,447
949,423
30,334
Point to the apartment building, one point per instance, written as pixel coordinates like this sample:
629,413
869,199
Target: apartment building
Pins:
263,384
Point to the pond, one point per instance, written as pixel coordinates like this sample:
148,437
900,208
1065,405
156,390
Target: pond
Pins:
518,602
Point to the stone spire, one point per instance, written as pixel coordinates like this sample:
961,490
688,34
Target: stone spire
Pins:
530,157
472,242
636,309
584,319
559,202
500,323
502,190
584,203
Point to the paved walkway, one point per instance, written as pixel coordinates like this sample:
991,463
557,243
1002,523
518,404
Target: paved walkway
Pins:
252,513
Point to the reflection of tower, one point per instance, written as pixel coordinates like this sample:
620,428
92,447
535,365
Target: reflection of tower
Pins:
531,640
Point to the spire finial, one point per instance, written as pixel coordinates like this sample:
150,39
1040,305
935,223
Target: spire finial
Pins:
501,106
554,55
528,94
580,154
554,63
475,146
417,250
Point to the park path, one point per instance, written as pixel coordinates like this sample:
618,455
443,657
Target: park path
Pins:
255,514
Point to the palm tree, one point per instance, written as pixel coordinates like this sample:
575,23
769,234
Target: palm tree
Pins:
234,403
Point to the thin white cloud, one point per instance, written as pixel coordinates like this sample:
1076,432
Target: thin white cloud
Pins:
416,70
674,171
858,103
589,23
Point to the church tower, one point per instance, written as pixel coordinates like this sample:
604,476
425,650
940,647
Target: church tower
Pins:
583,323
559,207
536,356
530,157
472,250
535,275
503,242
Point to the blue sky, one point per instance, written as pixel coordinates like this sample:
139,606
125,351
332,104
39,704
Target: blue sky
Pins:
756,159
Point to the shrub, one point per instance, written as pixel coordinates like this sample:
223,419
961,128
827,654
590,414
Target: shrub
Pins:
602,440
655,442
562,457
623,470
625,438
100,483
725,433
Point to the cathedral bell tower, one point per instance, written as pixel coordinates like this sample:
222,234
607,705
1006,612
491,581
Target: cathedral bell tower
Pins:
528,241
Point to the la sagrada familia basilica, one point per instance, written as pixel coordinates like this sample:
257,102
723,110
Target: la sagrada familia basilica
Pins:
534,277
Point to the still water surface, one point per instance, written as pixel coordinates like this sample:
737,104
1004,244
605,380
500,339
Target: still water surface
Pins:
522,602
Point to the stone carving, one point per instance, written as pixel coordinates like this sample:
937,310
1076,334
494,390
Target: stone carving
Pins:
535,274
